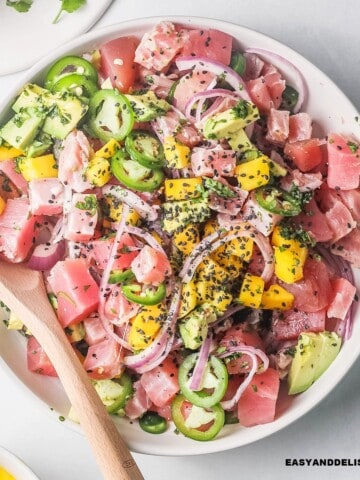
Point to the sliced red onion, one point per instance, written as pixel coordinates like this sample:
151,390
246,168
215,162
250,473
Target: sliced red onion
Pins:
230,404
146,236
46,255
219,69
254,354
154,353
199,369
58,231
132,199
247,349
200,97
104,284
290,70
209,245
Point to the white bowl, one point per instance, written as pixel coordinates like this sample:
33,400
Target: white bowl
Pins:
15,466
331,111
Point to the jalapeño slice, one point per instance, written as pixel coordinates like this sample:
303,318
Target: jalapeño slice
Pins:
145,148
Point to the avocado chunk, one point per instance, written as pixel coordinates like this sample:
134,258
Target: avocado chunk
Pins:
177,215
147,106
314,353
194,327
39,146
23,127
238,140
33,96
228,123
64,116
63,110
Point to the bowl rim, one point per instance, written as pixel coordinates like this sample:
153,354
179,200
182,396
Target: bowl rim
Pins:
15,465
326,383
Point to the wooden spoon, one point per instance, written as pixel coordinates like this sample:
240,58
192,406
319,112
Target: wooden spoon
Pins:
23,291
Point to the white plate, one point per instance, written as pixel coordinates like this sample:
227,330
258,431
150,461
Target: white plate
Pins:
15,466
27,37
331,111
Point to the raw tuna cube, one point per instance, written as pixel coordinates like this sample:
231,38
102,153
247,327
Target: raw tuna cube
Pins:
76,290
82,218
289,324
257,404
213,162
37,359
104,359
344,293
150,266
278,126
300,127
17,229
344,162
94,330
161,383
8,167
209,43
258,217
139,403
46,196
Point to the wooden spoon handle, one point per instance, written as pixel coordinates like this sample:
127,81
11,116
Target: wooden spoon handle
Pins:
30,303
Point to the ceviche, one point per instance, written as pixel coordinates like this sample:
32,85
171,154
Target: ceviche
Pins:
196,238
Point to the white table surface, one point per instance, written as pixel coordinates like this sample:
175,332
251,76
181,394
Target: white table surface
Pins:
327,32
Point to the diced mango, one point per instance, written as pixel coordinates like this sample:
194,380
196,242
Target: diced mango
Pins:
210,227
277,298
98,172
176,154
182,188
217,297
115,211
187,238
145,325
211,271
38,167
289,255
231,263
251,291
7,152
292,244
2,205
288,265
253,174
188,298
108,150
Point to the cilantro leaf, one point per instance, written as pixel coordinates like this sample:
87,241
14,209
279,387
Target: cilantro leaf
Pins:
69,6
20,5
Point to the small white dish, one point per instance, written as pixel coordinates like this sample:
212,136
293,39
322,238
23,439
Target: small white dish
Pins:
27,37
15,466
332,112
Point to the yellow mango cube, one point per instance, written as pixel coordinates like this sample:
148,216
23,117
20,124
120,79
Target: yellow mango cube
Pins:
108,150
115,211
253,174
188,298
217,297
98,172
292,244
251,291
211,271
182,188
176,154
187,238
7,152
288,265
145,325
33,168
277,298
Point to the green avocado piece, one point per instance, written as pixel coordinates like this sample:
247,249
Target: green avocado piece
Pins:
194,327
229,123
23,127
177,215
64,116
314,353
147,106
63,110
